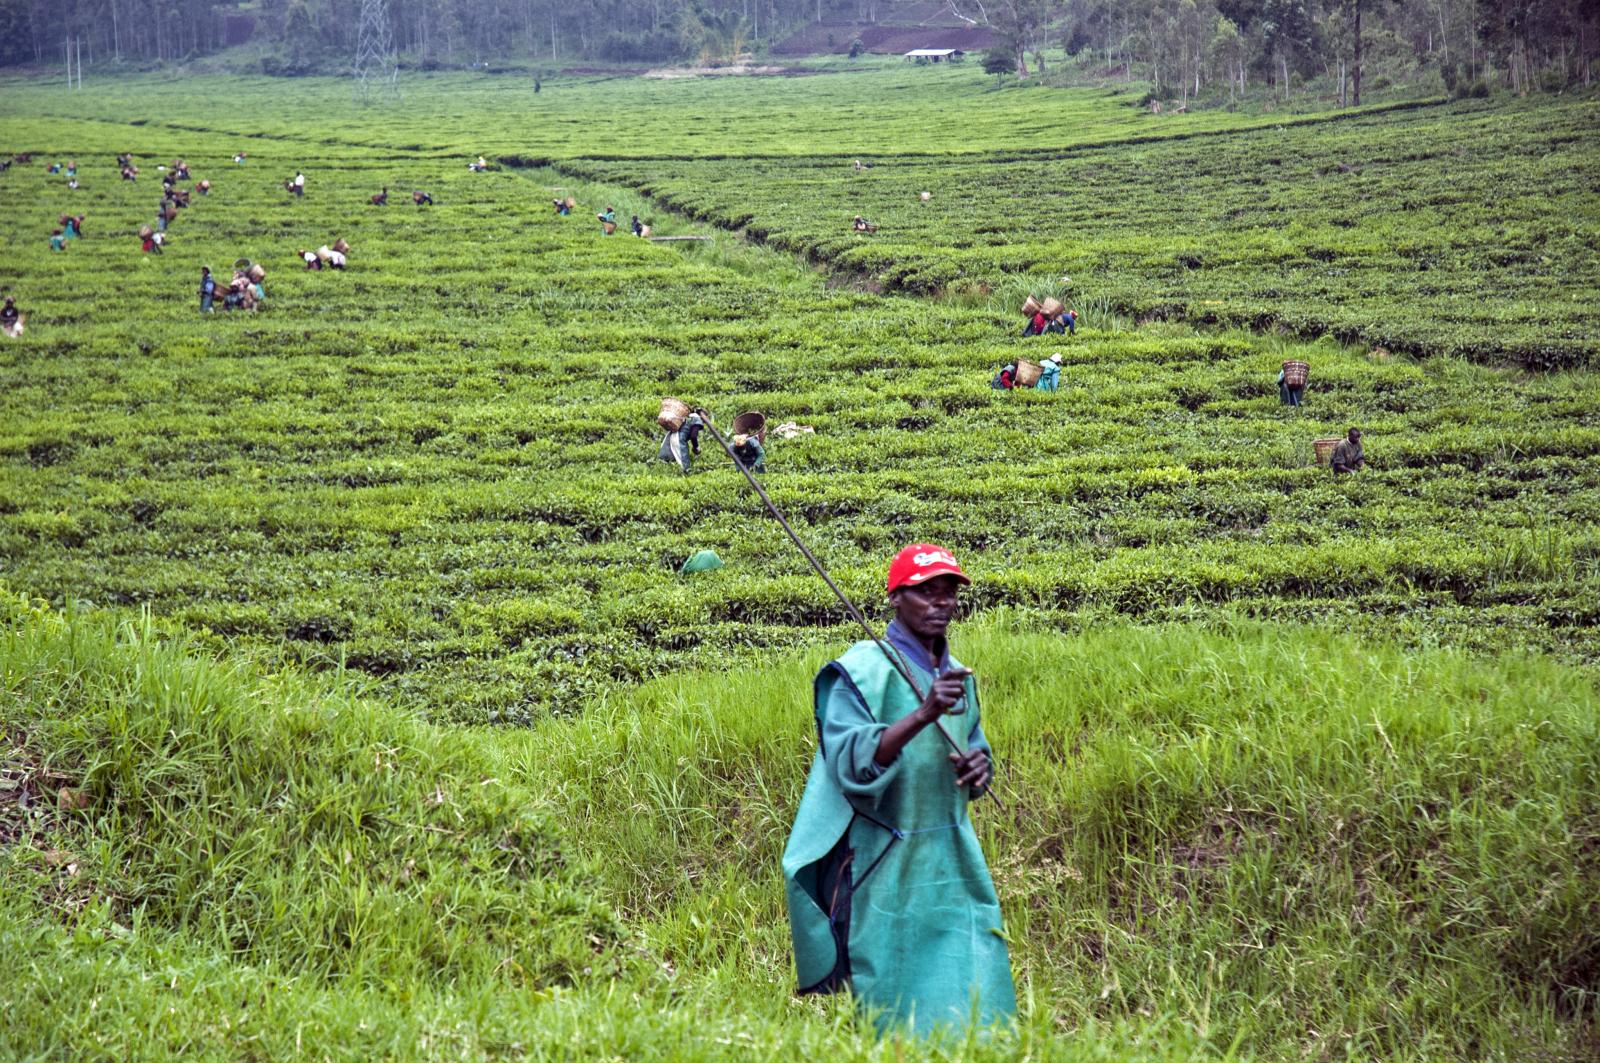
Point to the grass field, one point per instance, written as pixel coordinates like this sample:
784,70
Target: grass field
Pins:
1271,795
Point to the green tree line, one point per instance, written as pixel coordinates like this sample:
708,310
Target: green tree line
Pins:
1183,48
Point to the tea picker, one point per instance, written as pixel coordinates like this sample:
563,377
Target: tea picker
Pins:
1348,456
208,290
1049,373
749,453
1292,380
682,441
11,319
749,441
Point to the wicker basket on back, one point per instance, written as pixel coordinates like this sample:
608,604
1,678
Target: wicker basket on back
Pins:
610,227
673,411
751,424
1324,449
1295,374
1030,306
1052,307
1027,373
340,246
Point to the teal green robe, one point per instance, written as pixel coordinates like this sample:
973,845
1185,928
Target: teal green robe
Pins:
925,945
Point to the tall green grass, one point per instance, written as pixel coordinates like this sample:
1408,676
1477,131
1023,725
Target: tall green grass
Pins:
1269,841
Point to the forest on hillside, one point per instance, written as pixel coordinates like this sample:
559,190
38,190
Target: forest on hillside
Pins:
1183,48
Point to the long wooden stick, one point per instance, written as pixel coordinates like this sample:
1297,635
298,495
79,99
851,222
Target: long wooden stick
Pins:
844,599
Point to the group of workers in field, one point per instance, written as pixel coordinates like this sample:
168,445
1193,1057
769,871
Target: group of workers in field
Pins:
418,197
70,227
246,291
1049,376
889,895
68,168
1348,455
681,445
607,218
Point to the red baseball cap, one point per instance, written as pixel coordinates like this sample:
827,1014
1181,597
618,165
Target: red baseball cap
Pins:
920,562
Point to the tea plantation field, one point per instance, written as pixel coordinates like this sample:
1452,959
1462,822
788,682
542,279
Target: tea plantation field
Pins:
1469,229
1296,767
875,108
438,467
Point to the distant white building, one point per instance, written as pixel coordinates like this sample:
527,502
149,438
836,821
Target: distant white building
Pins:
936,55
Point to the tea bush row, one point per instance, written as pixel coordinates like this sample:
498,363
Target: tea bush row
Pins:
1462,229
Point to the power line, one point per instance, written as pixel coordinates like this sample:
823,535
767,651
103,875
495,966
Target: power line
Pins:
376,67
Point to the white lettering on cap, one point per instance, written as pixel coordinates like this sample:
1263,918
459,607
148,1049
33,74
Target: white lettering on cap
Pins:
924,560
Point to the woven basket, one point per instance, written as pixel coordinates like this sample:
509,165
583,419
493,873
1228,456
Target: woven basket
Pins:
644,230
673,411
572,204
1052,307
1027,373
340,246
145,232
609,226
1030,306
751,424
1324,449
1295,374
257,274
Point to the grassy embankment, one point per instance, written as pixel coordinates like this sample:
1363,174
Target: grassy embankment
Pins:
1260,839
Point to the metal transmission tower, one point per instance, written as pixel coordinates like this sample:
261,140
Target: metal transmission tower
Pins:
376,67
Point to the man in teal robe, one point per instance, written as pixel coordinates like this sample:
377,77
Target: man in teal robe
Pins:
889,895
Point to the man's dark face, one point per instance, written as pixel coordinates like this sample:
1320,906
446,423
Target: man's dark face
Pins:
1355,435
926,609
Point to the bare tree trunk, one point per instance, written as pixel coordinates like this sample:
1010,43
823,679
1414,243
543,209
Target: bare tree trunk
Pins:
1444,36
1356,73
